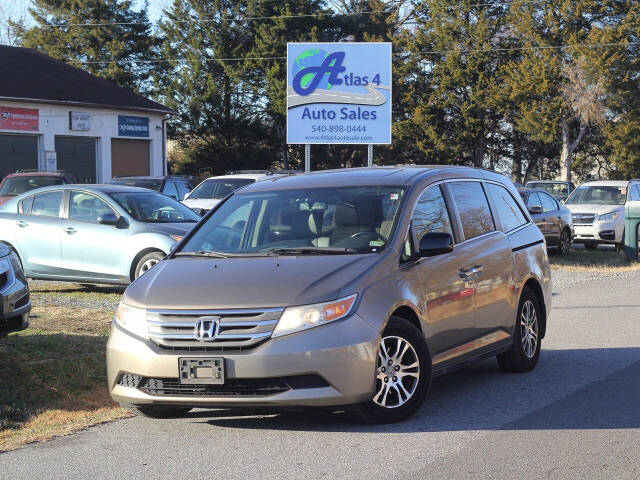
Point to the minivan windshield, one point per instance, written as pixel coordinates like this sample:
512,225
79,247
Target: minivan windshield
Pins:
219,188
598,195
300,221
152,207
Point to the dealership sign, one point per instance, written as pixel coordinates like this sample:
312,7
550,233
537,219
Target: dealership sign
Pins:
129,126
26,119
339,93
79,121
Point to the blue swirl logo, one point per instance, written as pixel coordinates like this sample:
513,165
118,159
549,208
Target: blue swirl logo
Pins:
317,69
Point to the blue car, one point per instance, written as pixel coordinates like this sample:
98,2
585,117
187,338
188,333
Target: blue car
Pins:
92,233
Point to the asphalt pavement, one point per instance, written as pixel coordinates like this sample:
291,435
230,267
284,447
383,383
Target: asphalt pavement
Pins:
576,416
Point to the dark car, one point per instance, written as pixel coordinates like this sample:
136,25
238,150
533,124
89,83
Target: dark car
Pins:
552,218
174,186
24,180
14,293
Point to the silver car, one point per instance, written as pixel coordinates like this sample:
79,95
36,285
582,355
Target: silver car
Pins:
92,233
350,287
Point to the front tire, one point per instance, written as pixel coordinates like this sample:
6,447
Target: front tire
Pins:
147,262
160,411
403,375
525,351
565,242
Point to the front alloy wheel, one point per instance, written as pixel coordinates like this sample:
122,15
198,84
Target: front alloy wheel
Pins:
397,374
403,374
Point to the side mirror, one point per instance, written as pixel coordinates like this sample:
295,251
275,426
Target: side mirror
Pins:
109,219
435,243
535,209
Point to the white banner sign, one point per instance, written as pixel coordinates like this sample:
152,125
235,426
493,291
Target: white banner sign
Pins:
79,121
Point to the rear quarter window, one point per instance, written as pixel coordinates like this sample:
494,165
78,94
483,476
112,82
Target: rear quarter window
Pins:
507,209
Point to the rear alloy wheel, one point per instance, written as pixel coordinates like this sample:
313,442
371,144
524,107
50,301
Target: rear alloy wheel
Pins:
158,411
403,374
147,262
525,351
565,242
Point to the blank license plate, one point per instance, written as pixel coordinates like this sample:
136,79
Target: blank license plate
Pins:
201,370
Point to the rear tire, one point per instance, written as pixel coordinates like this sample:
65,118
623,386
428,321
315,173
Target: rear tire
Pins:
158,411
403,375
525,350
147,262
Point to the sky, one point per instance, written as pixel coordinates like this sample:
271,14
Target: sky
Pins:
15,8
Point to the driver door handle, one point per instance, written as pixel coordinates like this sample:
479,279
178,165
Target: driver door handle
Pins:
70,230
22,223
466,273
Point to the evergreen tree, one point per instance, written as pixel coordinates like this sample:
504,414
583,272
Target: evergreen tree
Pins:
62,33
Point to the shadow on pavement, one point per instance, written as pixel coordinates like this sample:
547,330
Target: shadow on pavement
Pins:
570,389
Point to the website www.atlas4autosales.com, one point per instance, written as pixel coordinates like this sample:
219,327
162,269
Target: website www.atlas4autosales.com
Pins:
338,138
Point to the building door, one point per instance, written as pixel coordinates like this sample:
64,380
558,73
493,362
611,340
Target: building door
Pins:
77,156
129,157
18,152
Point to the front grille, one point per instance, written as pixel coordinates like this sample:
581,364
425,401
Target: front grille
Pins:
237,329
10,324
231,386
583,218
237,387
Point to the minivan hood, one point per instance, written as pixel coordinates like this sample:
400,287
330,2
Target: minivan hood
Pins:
590,208
249,282
180,229
204,203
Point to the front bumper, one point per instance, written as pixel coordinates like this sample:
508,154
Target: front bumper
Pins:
343,354
600,232
15,304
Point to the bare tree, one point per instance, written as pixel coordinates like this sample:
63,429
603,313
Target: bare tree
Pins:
13,20
586,101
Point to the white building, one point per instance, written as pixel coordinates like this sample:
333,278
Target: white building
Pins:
57,117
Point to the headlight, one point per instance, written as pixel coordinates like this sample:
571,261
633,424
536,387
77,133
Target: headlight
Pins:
608,217
132,319
295,319
15,261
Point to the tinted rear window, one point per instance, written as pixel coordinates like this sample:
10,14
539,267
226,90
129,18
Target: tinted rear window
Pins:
473,208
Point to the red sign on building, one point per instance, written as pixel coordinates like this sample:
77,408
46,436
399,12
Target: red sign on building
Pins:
12,118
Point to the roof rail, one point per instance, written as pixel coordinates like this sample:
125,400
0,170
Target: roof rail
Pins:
283,172
252,172
37,170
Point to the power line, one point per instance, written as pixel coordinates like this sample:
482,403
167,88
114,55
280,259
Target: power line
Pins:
422,52
277,17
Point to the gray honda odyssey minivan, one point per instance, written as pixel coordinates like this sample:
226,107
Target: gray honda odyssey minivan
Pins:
347,288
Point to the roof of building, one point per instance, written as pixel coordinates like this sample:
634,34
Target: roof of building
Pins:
32,76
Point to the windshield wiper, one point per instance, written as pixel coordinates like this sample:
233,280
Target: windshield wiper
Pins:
203,253
311,251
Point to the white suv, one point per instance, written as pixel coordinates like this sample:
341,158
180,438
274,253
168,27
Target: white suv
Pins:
210,191
597,209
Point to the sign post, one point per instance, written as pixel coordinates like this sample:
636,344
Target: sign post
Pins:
339,93
369,155
307,158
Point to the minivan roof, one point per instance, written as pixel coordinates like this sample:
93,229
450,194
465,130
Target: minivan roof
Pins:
391,175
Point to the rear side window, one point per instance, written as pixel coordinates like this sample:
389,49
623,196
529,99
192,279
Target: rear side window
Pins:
170,190
548,203
507,209
430,214
47,204
473,209
533,201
